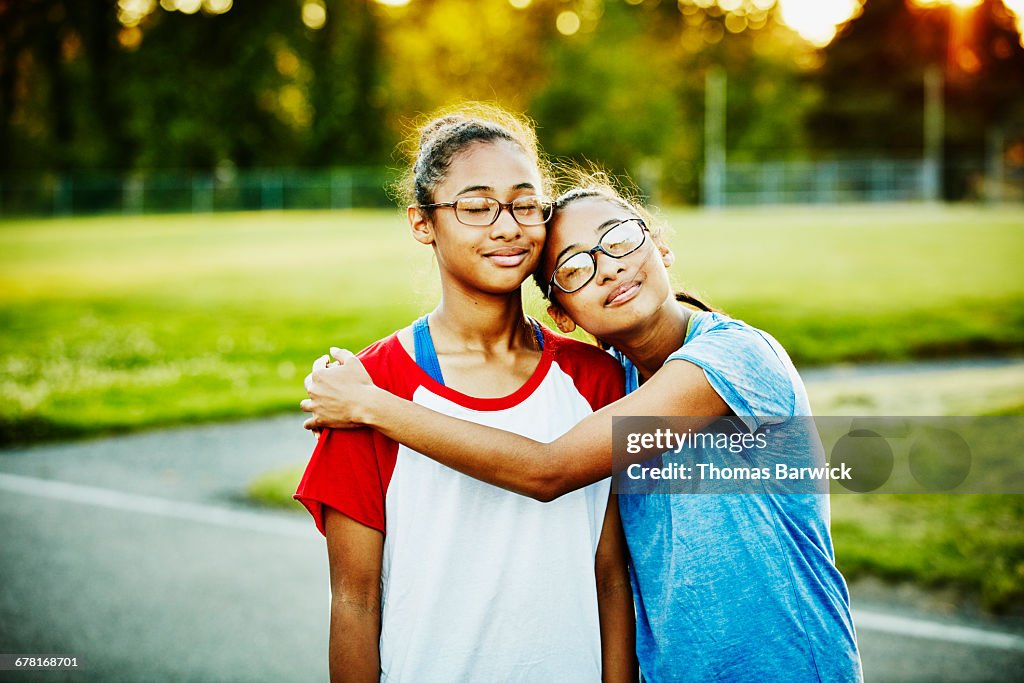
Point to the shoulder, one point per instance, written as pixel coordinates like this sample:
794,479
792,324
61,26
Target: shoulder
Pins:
390,366
382,354
746,366
703,322
731,336
596,374
575,353
380,351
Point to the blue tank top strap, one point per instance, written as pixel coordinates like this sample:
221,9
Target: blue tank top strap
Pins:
426,355
538,332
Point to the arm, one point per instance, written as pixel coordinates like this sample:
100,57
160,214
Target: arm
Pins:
615,601
543,471
355,553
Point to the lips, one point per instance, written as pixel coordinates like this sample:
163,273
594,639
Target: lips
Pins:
508,257
623,293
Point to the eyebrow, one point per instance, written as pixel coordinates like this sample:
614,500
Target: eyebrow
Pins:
488,188
607,223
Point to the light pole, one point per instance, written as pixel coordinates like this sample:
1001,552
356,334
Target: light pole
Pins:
934,116
714,138
935,75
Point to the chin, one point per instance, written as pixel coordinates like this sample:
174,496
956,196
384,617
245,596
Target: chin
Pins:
613,321
509,285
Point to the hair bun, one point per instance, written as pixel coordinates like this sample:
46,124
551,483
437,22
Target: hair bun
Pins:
432,128
431,144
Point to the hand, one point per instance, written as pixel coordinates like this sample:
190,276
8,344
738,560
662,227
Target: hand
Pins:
320,363
338,392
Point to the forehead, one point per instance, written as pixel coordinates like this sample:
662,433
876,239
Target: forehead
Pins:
497,165
582,222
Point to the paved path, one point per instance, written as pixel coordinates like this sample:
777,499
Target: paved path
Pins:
140,555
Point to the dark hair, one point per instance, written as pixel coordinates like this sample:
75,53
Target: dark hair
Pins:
438,139
590,185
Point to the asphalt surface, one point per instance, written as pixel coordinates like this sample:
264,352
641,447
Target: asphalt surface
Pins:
140,556
180,579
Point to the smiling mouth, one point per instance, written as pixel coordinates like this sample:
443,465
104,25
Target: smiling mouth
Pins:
623,293
508,258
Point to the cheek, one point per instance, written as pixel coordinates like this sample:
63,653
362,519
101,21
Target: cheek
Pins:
649,260
537,233
583,307
537,238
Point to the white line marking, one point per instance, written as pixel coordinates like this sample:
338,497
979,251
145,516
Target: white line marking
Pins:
158,507
868,620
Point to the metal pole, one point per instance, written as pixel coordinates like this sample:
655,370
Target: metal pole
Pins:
931,181
341,189
714,138
996,168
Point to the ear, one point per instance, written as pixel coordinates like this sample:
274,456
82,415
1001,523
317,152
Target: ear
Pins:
421,226
566,324
668,257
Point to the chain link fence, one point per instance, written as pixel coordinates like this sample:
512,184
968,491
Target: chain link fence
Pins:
825,182
743,184
867,181
83,193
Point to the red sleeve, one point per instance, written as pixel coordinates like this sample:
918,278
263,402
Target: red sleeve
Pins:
597,375
345,473
350,469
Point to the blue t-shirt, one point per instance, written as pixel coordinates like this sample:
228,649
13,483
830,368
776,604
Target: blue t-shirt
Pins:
739,587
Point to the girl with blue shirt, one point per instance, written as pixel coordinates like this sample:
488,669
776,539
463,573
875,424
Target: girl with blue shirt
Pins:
736,587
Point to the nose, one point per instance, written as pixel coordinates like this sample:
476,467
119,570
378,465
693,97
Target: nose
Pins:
505,227
606,267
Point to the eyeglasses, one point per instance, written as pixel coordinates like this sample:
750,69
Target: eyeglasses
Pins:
620,240
483,211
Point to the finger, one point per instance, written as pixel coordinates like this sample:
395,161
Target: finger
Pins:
308,383
310,424
341,355
306,405
321,362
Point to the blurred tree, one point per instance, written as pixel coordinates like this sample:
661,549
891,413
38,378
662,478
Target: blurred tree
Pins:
36,126
873,73
629,91
218,90
609,96
346,87
81,90
99,69
127,84
444,51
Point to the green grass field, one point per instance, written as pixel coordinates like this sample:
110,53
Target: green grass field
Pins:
116,323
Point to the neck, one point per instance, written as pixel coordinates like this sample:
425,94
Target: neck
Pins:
649,344
481,321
